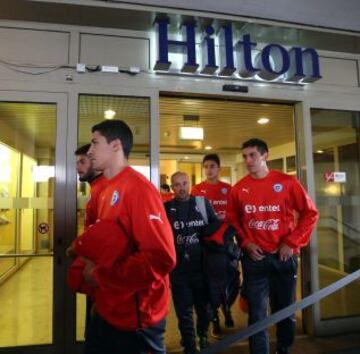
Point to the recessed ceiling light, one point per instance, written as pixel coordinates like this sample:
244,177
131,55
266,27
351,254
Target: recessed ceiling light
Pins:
109,114
186,157
320,151
263,120
208,147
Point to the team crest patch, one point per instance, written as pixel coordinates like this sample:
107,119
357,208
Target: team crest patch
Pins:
224,190
278,187
115,198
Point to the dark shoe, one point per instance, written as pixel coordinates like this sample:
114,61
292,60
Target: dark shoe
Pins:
203,342
189,346
216,330
229,322
282,350
191,351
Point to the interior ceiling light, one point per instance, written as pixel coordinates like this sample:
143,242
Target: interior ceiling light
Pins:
190,132
109,114
208,147
263,120
320,151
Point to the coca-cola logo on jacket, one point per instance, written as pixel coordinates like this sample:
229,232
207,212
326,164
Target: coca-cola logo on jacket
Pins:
269,224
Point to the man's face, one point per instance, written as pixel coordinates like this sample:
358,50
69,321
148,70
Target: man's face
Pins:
254,160
100,152
84,168
181,187
211,169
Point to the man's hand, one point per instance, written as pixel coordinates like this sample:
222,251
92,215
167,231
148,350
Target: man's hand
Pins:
285,252
70,252
87,272
254,251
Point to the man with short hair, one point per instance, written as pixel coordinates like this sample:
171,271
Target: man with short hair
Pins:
97,183
188,282
217,192
274,218
137,324
95,178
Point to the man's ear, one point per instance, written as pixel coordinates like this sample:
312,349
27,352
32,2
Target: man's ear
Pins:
116,145
266,156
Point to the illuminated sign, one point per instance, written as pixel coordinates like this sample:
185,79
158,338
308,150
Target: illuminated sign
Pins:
225,56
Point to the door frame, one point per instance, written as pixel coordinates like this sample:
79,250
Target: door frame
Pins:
313,321
59,272
71,344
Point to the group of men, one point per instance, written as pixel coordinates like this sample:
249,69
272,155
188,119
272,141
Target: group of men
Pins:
192,237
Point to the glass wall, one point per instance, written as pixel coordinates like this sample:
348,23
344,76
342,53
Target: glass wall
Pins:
27,159
135,111
336,148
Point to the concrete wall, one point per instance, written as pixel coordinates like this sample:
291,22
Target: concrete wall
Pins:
338,14
43,46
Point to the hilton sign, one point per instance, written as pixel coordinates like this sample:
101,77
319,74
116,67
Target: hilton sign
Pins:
237,58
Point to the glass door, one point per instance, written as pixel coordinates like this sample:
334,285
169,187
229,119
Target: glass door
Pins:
32,157
336,155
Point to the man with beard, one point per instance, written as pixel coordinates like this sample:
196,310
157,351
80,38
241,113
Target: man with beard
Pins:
95,178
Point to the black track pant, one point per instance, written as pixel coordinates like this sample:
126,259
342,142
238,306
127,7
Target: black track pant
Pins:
274,280
189,292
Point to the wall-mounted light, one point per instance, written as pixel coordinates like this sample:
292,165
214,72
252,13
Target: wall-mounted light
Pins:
109,114
190,132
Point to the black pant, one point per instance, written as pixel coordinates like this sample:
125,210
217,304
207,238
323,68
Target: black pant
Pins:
103,338
189,291
89,304
271,279
223,281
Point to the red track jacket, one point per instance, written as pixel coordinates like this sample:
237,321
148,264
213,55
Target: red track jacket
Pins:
143,276
272,210
103,243
218,195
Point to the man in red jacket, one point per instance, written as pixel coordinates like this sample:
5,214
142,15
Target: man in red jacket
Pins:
217,192
97,182
135,204
274,217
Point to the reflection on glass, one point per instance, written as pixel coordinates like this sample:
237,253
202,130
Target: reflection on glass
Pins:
336,149
27,135
93,109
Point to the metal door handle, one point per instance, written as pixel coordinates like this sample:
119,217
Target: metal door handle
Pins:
19,255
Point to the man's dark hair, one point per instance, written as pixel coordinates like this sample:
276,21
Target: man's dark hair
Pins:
212,157
166,187
116,129
82,150
258,143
